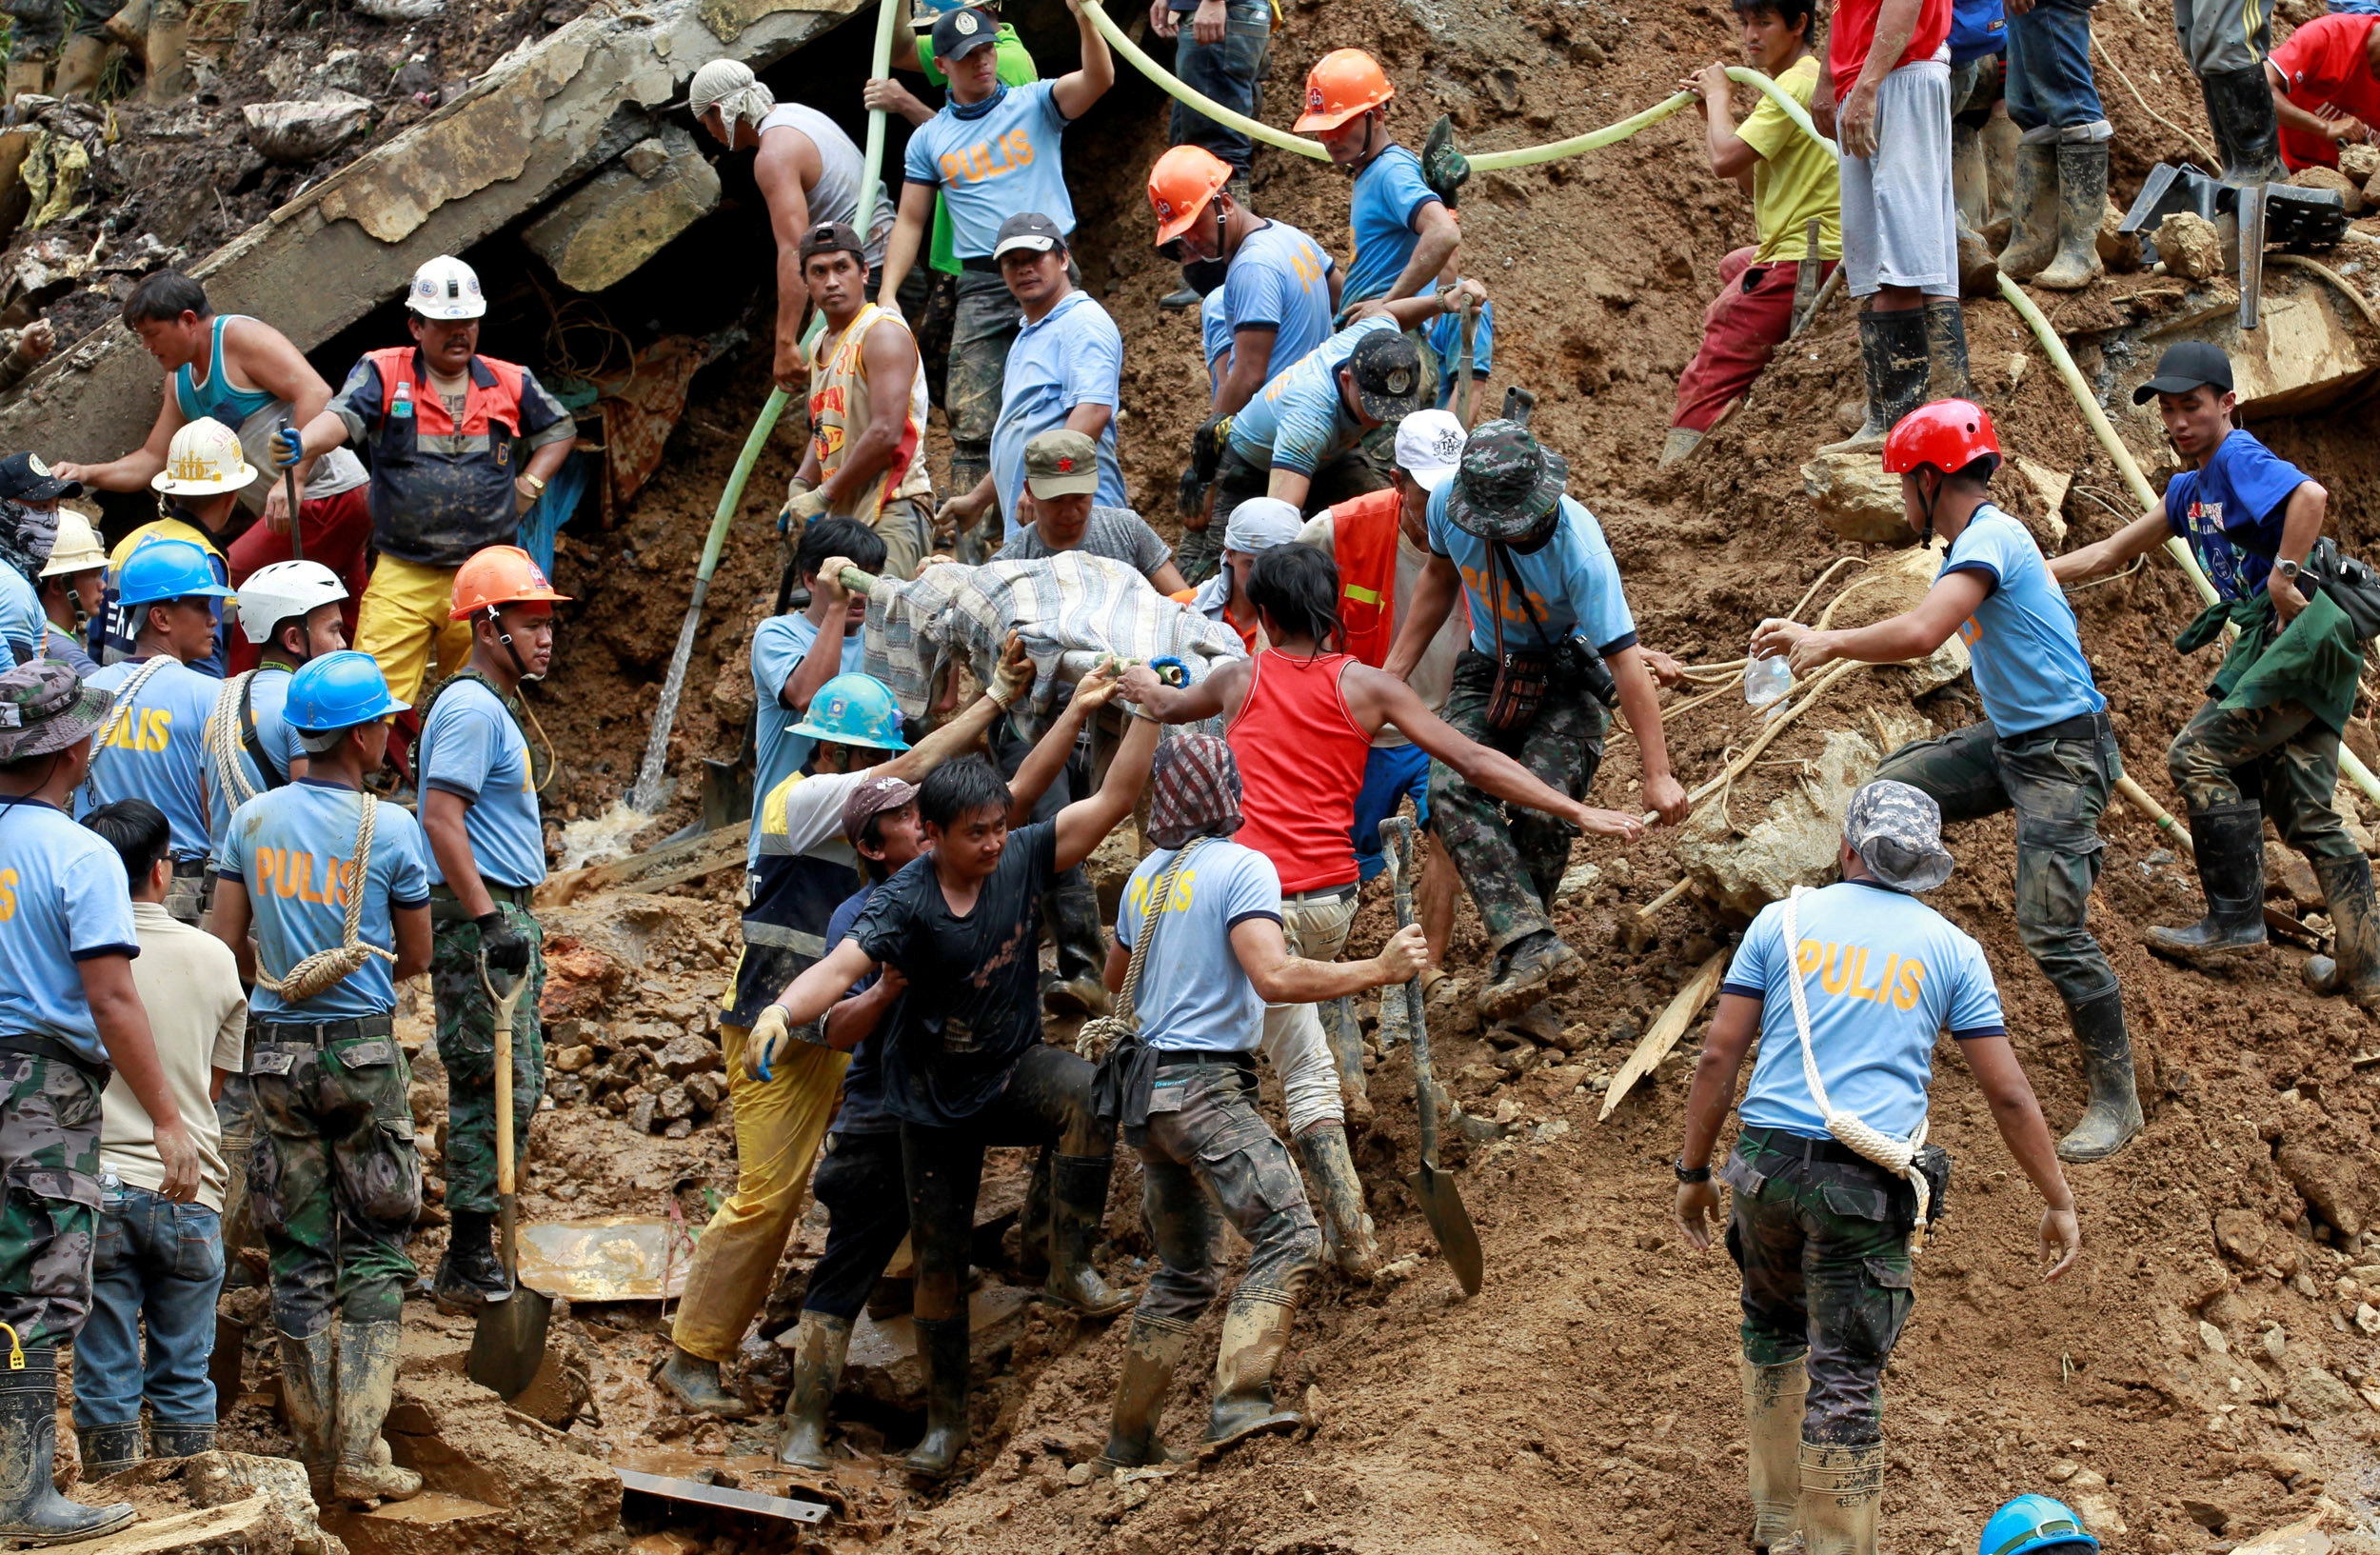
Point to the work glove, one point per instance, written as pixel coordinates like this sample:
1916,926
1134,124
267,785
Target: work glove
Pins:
805,506
287,447
765,1048
503,947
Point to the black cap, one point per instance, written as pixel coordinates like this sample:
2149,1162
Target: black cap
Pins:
1387,370
2184,368
833,237
1029,231
25,478
959,33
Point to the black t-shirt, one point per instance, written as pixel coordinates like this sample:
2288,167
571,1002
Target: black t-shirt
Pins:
973,1005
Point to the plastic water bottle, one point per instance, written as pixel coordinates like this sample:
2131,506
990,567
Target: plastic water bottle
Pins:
1767,681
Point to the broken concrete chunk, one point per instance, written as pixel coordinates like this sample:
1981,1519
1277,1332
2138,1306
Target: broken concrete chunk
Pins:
301,132
255,1526
624,214
2189,246
1855,498
687,1055
2049,487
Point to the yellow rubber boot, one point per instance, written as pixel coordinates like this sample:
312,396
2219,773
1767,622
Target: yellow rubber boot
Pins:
1842,1490
1774,1400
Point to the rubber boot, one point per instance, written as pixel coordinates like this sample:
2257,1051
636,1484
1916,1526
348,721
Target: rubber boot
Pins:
2001,137
1347,1236
130,27
819,1343
943,1345
1893,357
185,1441
2228,845
1534,966
109,1449
2239,105
2354,966
2033,230
1842,1489
1073,909
1976,271
168,51
1946,350
310,1383
1256,1331
1151,1352
2112,1113
1680,442
1078,1194
79,67
468,1275
32,1511
367,1383
1032,1220
1773,1399
694,1382
1345,1038
2082,200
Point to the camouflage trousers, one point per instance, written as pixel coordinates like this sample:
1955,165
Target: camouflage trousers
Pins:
1210,1157
1823,1247
466,1044
2282,755
1512,859
49,1197
1200,552
334,1180
2057,785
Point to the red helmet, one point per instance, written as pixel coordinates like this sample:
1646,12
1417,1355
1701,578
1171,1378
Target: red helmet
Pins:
1948,434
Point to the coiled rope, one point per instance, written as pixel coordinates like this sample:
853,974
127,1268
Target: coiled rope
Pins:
324,968
224,746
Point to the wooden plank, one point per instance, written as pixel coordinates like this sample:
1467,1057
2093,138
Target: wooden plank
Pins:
1666,1030
672,864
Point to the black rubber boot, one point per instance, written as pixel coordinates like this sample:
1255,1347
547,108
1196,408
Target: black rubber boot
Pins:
1151,1354
1072,907
2240,105
943,1345
2354,966
468,1276
1347,1231
1078,1207
1256,1331
2229,842
2032,228
32,1511
2112,1114
110,1449
1893,357
2082,199
1946,350
694,1382
819,1343
1534,966
169,1441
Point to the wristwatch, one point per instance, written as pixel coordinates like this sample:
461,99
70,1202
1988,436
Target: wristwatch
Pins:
2288,569
1690,1174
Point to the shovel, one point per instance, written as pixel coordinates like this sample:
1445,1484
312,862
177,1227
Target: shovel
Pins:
1458,1240
289,484
509,1345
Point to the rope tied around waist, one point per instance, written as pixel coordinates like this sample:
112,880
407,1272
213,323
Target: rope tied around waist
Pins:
344,960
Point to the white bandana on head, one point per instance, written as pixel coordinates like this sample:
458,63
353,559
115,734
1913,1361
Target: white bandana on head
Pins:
729,86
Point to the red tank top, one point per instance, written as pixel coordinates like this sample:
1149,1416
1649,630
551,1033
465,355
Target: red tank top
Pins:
1301,757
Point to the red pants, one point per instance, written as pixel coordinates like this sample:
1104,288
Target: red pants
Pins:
338,534
1741,329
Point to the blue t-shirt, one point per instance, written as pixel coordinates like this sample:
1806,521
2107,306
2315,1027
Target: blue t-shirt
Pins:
863,1110
61,645
2231,512
24,626
2027,654
1445,337
1193,993
268,693
1883,973
1281,279
294,849
1389,194
997,159
778,648
1571,582
1979,28
1214,337
64,899
1301,422
157,749
1072,355
472,747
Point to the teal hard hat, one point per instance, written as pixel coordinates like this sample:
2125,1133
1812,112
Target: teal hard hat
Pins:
336,691
164,570
2033,1522
855,709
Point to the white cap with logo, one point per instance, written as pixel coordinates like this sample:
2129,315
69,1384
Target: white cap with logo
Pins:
1429,448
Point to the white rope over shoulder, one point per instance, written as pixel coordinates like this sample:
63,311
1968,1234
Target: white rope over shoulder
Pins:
1895,1155
324,968
224,745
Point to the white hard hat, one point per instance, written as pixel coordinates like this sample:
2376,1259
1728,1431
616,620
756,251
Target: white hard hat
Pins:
1429,448
204,460
445,288
78,550
273,594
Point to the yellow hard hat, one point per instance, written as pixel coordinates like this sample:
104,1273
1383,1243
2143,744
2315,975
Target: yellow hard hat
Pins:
78,550
205,460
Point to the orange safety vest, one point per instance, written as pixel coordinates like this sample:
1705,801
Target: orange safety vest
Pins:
1363,541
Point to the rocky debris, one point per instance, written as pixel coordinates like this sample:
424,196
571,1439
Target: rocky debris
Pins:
2315,1394
256,1526
1855,498
596,237
2189,246
301,132
2048,488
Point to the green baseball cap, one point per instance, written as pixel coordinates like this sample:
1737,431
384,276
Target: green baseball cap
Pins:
1061,463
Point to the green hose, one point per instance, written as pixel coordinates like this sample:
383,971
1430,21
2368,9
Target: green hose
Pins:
733,493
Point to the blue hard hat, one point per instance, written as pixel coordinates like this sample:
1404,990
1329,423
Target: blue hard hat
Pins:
164,570
855,709
338,691
2033,1522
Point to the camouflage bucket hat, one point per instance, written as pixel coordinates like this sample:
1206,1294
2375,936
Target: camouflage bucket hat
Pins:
1507,484
1896,830
43,709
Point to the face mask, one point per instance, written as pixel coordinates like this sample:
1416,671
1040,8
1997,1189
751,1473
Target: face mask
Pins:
27,536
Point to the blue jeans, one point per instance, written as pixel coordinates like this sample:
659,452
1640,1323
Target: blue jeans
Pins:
161,1263
1389,775
2050,86
1228,71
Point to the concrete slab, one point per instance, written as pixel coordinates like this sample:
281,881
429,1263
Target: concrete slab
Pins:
2307,353
254,1526
596,236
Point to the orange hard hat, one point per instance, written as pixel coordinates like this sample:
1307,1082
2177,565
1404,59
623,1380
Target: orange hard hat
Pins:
1182,182
1344,82
499,575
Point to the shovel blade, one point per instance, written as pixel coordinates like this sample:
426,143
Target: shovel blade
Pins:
1457,1239
510,1344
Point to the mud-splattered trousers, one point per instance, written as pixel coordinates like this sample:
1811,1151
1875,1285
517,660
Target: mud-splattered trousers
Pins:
335,1180
1208,1157
48,1193
466,1044
1512,861
2058,781
1822,1239
2281,755
859,1180
985,325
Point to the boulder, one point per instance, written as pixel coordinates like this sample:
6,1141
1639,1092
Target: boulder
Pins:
306,131
2360,162
1855,498
2050,488
1896,584
884,1364
602,231
2317,1395
1795,845
254,1526
2189,246
686,1055
2350,190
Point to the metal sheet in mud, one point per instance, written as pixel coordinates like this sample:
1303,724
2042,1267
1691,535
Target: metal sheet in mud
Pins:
607,1258
714,1495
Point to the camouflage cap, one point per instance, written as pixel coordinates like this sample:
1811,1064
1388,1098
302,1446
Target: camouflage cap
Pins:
1508,482
44,708
1896,830
1387,371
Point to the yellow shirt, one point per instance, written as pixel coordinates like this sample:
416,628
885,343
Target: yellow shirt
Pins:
1794,179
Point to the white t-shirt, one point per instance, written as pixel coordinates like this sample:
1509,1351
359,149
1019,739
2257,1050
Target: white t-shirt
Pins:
189,984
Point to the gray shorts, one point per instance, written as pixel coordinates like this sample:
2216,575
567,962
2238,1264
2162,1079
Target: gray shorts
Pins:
1900,224
2220,35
